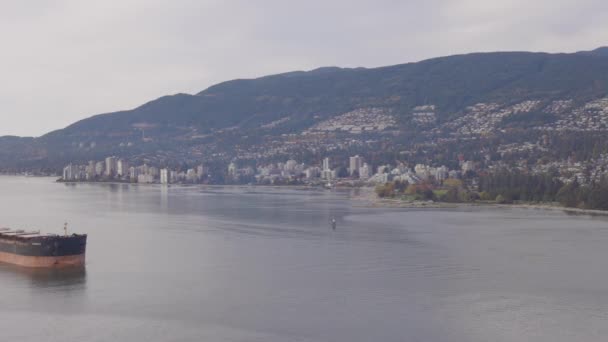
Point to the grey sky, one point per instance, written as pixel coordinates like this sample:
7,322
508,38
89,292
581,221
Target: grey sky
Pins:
65,60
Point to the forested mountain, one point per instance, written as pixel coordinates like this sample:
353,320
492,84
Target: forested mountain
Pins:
464,95
601,51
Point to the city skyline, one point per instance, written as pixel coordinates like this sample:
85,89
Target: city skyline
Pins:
356,170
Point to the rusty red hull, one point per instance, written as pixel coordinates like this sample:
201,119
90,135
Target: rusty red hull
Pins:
43,261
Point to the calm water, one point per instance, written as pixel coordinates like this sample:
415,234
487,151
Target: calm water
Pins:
261,264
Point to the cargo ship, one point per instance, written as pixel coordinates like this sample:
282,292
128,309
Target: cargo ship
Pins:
32,249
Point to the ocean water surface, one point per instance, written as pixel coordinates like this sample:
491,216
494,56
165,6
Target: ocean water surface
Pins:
263,264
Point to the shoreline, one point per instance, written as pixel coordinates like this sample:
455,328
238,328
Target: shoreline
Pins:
203,185
373,201
367,198
541,206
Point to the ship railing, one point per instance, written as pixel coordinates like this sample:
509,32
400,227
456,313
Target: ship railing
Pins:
11,232
19,232
33,232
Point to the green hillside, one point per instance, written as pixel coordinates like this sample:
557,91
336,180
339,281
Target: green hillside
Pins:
303,99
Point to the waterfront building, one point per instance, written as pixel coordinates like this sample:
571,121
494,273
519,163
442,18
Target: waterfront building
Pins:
299,169
290,165
312,172
110,170
164,176
70,172
326,173
248,171
122,168
173,176
133,174
144,169
232,170
191,175
441,173
468,166
200,172
265,170
326,165
90,170
379,178
453,174
383,169
145,178
422,171
153,171
402,168
99,168
409,177
364,171
181,176
354,164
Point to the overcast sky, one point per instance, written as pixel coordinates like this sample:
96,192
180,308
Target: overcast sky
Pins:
65,60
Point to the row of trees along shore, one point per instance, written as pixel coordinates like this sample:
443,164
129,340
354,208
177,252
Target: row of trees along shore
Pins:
505,186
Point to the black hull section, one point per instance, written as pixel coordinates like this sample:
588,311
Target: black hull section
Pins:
44,246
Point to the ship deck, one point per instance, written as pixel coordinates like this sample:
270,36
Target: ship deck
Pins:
23,235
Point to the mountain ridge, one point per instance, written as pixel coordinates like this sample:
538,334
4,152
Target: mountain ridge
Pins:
299,100
601,51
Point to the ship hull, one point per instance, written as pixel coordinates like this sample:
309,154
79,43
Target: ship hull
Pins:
43,261
43,251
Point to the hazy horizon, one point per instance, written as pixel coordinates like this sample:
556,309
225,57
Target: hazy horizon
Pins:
65,61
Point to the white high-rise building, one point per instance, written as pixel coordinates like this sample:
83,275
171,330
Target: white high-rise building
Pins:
122,168
354,164
70,172
110,166
364,171
326,164
99,168
90,170
326,172
164,176
133,173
